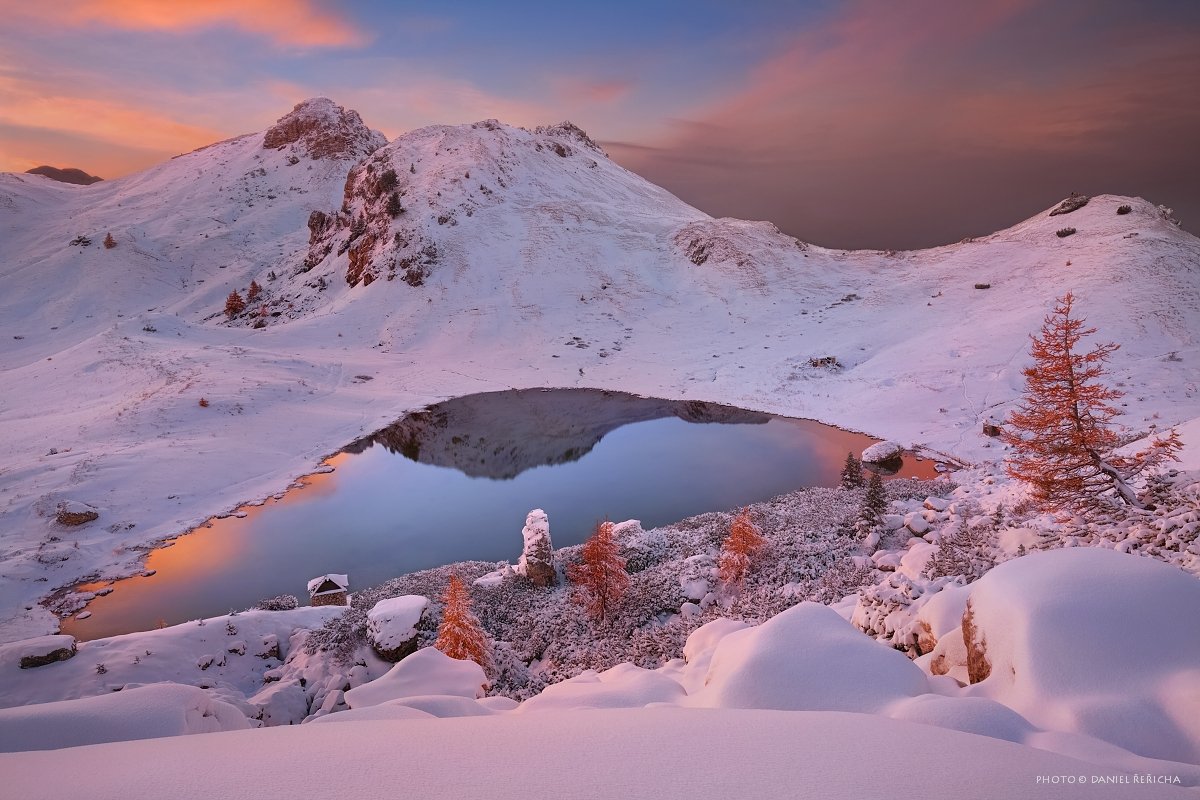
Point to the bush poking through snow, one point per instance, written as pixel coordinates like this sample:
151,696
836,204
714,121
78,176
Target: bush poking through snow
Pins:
203,403
283,602
1124,209
1063,233
967,552
394,209
109,241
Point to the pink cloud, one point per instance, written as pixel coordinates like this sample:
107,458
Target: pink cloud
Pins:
289,23
889,119
590,91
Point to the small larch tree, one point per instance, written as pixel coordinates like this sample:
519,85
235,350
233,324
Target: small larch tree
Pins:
599,576
253,292
1061,435
460,635
234,304
852,477
109,241
738,550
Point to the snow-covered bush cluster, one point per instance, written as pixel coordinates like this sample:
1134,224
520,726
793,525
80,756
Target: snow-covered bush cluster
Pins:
541,636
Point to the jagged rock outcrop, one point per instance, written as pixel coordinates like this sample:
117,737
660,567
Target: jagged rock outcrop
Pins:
319,128
403,202
537,552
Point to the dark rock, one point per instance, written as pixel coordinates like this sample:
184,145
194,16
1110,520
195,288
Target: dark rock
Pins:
57,648
65,175
1072,203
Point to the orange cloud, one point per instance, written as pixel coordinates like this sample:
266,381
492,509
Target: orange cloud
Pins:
289,23
29,106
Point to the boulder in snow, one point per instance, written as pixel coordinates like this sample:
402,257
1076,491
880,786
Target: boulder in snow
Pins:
38,652
428,671
916,523
72,512
281,703
882,453
392,625
807,658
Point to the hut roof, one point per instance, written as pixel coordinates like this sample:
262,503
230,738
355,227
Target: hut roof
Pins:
328,583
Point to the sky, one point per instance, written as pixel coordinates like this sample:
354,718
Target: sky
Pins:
865,123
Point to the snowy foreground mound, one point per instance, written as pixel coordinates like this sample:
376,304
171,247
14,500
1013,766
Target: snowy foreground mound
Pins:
1091,659
1096,642
664,753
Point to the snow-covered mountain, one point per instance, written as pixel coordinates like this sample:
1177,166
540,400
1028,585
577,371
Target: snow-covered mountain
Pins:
462,259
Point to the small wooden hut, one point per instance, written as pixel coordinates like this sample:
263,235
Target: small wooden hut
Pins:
329,590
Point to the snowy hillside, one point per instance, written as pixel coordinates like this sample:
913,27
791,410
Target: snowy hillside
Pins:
509,259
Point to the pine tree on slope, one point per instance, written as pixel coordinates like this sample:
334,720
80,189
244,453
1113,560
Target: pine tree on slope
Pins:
1061,436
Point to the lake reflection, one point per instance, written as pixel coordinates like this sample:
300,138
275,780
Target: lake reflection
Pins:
454,482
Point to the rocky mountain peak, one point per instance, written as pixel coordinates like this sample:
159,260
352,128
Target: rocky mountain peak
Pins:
319,128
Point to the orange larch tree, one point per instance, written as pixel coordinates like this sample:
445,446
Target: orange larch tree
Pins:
738,550
1061,436
253,292
234,304
460,635
600,575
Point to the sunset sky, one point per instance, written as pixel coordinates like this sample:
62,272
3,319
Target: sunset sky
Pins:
855,124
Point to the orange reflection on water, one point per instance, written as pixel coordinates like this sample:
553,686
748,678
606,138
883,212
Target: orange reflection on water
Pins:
195,557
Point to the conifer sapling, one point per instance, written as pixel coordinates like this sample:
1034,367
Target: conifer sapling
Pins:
234,304
875,500
852,477
460,634
737,551
599,576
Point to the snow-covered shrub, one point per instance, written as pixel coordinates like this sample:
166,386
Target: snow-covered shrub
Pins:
967,553
283,602
341,636
1063,233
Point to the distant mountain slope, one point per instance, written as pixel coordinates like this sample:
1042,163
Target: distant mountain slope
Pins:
65,175
508,259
